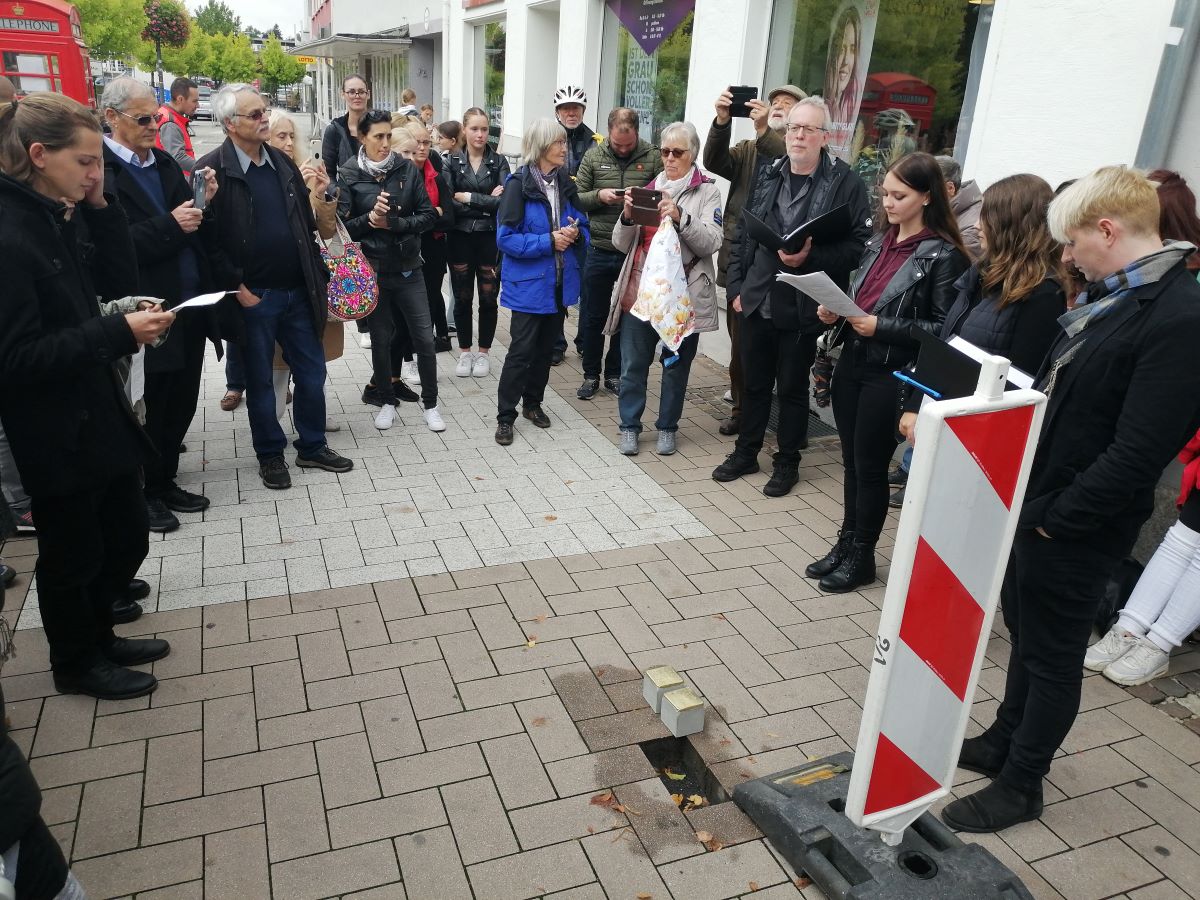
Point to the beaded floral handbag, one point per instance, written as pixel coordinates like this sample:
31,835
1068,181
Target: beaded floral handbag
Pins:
353,287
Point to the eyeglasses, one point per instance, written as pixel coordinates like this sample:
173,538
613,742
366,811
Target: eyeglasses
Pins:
143,121
806,130
357,92
256,115
673,151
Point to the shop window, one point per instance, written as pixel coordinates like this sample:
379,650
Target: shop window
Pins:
493,37
894,72
654,83
31,72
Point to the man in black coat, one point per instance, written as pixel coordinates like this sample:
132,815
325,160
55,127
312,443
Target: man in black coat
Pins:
1124,397
779,325
172,267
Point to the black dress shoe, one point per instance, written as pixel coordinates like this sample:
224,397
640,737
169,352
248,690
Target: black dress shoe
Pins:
106,681
504,434
326,459
993,808
588,389
274,474
732,425
896,501
783,479
179,500
856,570
536,415
735,466
7,575
556,357
613,386
979,755
162,520
125,610
403,392
136,651
138,590
831,560
897,477
183,448
441,344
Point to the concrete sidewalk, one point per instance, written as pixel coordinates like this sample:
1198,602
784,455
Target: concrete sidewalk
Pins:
413,680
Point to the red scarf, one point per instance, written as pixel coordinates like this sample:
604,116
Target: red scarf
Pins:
431,188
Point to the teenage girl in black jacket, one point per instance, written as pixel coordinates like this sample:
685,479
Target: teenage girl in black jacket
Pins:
905,281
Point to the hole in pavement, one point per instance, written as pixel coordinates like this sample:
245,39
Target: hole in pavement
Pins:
673,757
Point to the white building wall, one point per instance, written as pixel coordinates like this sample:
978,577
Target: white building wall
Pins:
1065,86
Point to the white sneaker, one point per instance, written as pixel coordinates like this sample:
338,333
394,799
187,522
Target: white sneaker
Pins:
364,340
466,364
433,419
1109,649
1145,662
728,398
386,417
409,372
482,367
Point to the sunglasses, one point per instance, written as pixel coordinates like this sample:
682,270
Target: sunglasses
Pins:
257,115
673,151
142,121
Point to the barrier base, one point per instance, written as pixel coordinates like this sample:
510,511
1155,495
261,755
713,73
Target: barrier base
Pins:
801,811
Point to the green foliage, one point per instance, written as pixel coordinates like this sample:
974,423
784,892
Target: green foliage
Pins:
167,23
111,28
232,59
216,17
278,68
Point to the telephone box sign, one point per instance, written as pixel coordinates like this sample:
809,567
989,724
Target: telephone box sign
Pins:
651,21
40,26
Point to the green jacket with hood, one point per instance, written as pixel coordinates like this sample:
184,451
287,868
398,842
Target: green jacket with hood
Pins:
602,168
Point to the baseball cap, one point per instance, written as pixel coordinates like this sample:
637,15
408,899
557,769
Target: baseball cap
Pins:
789,89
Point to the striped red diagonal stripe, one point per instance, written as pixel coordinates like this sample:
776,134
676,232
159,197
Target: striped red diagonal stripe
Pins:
941,621
895,779
996,441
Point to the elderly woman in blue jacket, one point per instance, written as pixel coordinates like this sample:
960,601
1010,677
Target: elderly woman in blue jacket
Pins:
544,238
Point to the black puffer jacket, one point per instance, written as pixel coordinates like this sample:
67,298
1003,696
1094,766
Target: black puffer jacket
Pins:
580,140
396,248
337,145
479,213
919,295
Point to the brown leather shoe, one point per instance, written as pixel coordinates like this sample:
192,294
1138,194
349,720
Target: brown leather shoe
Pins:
732,425
231,401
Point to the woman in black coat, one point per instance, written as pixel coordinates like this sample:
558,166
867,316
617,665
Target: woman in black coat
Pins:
905,281
74,436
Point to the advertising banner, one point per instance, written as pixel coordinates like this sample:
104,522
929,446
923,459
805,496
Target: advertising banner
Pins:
651,22
851,37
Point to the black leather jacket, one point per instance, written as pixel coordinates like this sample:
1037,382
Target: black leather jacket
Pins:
396,248
919,295
479,214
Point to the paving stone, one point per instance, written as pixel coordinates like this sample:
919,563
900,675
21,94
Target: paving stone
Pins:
1167,853
354,689
531,874
551,729
1163,767
174,768
394,656
430,625
469,727
431,865
517,771
386,818
337,872
734,772
256,653
61,805
134,871
741,658
1093,728
230,725
66,724
505,689
323,655
662,828
1160,729
580,691
466,655
437,767
347,770
194,818
88,765
726,873
623,866
431,690
550,576
725,822
310,726
225,623
391,728
526,600
1092,817
477,817
109,816
796,693
651,603
264,767
146,723
235,864
1098,870
582,601
569,818
398,599
1092,770
725,694
296,823
623,728
681,658
540,656
811,660
497,627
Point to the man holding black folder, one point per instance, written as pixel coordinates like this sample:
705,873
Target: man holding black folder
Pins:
779,325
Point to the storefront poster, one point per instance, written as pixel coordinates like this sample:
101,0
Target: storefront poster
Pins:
651,22
851,38
641,80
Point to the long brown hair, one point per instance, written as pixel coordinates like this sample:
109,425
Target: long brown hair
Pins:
41,118
1177,218
466,120
921,172
1020,253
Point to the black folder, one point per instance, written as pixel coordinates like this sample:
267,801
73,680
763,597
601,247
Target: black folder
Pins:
942,371
824,229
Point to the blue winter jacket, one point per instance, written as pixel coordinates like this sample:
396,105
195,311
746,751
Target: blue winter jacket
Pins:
527,274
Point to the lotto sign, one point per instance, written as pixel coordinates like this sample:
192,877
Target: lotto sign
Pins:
964,494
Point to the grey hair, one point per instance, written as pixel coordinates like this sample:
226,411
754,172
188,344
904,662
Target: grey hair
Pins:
540,134
119,92
951,170
685,130
224,102
819,102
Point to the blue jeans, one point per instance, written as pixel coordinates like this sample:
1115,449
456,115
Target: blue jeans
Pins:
600,273
284,317
906,461
235,372
638,340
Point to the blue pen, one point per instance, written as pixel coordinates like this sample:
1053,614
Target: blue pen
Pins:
930,391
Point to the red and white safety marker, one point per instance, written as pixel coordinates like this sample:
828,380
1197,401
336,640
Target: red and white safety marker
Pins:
964,493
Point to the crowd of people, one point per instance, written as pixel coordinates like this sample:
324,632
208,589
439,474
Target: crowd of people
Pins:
1092,291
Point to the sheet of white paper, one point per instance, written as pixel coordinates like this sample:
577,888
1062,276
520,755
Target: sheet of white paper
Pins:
821,288
135,386
201,300
1016,376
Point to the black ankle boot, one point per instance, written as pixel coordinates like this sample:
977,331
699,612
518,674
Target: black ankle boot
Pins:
994,808
980,755
833,558
857,569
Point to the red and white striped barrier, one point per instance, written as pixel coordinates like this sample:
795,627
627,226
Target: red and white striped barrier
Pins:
961,503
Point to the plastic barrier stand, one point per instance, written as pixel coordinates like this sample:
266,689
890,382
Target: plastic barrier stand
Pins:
963,497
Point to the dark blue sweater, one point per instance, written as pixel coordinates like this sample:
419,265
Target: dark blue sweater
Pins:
148,180
275,261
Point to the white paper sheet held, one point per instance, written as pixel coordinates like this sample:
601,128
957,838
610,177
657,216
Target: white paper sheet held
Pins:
201,300
1016,376
821,288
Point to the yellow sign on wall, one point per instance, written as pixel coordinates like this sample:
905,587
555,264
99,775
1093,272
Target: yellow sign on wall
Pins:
307,60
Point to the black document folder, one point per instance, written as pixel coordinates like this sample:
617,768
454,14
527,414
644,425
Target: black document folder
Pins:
824,229
942,371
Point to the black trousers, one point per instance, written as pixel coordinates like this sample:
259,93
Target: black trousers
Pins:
473,259
527,366
171,399
434,251
1051,592
600,273
90,546
402,299
866,408
779,360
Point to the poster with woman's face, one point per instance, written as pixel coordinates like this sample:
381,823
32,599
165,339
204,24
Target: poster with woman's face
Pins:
851,36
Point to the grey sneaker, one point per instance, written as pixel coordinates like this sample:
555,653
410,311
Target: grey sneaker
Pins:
629,442
666,443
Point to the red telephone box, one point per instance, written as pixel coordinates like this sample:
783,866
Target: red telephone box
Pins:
42,49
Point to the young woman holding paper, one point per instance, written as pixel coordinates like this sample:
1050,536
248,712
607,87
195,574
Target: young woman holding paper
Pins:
905,281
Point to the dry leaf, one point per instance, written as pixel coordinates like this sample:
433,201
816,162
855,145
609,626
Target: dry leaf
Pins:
721,616
772,734
568,482
540,618
538,721
600,672
696,801
725,742
532,642
753,886
642,895
550,518
602,799
479,478
744,774
710,842
591,829
704,836
751,759
678,798
674,776
802,882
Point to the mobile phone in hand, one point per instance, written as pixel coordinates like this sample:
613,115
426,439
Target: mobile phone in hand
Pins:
198,189
741,93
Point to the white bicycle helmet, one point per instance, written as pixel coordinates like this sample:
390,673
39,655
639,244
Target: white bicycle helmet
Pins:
569,94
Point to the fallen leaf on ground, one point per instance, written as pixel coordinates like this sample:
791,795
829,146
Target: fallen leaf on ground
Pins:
540,618
600,672
753,886
695,801
532,642
720,616
725,742
678,798
538,721
591,829
674,776
550,518
703,836
802,882
751,759
710,843
642,895
479,478
604,798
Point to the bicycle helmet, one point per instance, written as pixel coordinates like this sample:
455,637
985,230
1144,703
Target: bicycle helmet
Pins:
894,118
569,94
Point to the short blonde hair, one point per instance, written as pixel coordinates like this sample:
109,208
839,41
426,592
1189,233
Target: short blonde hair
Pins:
401,138
277,117
539,136
1113,192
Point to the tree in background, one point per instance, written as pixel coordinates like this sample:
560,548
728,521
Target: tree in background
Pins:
167,24
278,68
111,28
231,59
216,17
